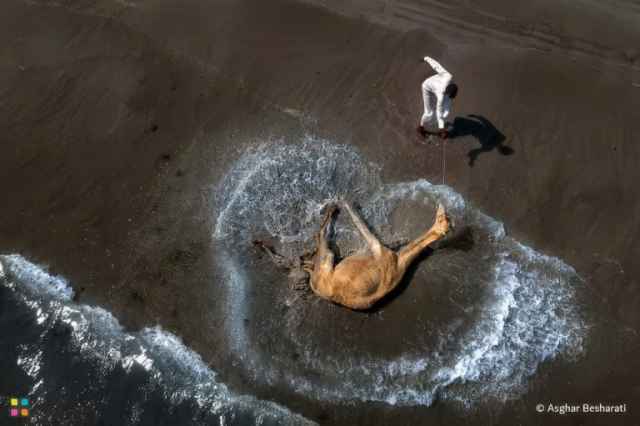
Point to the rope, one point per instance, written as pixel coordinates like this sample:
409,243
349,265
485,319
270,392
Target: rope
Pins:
443,160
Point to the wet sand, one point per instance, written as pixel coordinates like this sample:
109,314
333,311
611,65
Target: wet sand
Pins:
119,119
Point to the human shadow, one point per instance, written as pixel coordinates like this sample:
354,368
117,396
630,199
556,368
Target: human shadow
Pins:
484,131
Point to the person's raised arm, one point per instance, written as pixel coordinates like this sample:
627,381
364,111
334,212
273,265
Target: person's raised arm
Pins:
435,65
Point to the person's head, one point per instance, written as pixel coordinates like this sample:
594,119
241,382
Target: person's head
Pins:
451,90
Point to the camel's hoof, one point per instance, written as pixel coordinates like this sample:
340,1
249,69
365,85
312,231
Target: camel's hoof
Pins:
330,209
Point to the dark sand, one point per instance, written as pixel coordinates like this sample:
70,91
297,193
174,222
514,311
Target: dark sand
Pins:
119,117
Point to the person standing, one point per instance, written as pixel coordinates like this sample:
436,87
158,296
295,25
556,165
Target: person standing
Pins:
438,92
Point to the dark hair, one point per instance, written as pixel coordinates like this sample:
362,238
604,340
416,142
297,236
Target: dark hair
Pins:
451,90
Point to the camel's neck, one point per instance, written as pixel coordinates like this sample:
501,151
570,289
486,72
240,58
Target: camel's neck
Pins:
412,250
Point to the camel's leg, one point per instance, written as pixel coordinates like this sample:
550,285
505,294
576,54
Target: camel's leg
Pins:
412,250
324,258
374,244
277,258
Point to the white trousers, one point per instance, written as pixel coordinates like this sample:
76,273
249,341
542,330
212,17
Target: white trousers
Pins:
428,119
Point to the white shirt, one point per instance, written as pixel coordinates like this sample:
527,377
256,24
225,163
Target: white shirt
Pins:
433,93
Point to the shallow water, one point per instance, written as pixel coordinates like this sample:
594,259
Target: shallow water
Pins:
478,316
78,366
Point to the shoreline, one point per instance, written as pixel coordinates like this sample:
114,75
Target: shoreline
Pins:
116,131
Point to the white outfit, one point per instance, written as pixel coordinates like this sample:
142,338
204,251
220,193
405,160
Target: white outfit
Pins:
437,105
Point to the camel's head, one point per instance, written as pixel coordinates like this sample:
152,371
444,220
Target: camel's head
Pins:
441,225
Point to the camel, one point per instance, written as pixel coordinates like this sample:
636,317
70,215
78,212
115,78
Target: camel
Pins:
362,279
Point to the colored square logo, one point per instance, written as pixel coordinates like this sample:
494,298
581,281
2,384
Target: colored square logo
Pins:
19,407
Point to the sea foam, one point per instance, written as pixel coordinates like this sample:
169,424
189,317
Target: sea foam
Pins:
97,339
527,314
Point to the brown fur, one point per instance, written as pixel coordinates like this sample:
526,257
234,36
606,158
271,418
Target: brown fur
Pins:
360,280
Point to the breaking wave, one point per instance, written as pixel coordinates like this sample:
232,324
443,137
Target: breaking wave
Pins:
83,368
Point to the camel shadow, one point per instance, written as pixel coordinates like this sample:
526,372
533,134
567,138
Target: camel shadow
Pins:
404,282
484,131
461,239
